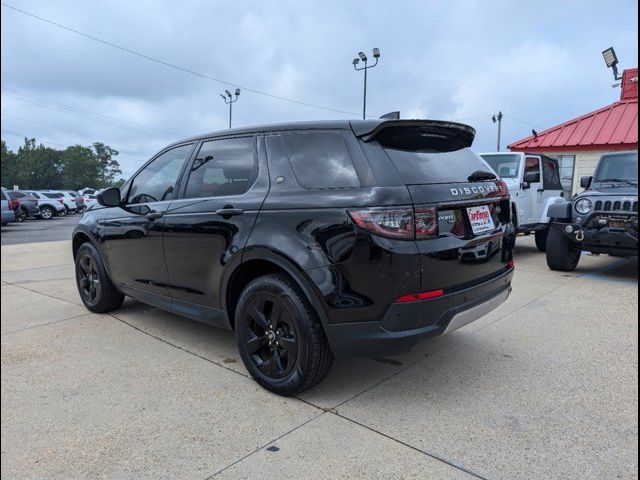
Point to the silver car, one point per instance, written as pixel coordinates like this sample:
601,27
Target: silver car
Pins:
7,211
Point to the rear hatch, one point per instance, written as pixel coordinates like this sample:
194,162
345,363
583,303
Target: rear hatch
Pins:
459,191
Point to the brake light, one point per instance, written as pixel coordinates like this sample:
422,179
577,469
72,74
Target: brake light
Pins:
386,222
502,187
418,297
16,202
61,201
512,264
400,223
426,222
10,203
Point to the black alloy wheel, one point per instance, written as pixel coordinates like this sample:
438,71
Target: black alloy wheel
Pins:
280,337
272,339
96,290
88,278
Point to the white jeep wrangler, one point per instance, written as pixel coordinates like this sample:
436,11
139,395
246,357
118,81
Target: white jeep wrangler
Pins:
534,184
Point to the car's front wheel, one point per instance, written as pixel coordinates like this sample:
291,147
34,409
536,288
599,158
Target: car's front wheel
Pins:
562,254
279,336
94,285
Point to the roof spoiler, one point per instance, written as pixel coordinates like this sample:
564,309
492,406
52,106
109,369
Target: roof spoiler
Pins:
369,130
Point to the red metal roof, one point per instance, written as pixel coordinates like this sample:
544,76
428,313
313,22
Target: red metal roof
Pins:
614,127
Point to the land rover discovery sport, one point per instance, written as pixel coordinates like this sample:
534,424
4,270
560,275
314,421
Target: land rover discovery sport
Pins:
309,240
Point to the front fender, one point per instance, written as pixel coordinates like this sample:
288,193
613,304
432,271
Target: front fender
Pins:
558,208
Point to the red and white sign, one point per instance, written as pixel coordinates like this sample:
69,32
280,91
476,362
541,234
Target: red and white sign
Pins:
480,219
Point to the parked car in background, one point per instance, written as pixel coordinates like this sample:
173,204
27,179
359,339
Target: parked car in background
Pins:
28,203
79,199
68,200
308,240
90,200
602,219
50,206
6,208
534,184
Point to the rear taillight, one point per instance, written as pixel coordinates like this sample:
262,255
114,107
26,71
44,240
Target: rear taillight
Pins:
73,199
386,222
10,203
426,222
61,201
502,187
512,265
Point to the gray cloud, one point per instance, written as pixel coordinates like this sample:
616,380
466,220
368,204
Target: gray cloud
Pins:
538,61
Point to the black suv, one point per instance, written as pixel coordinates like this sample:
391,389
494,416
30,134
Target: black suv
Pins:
309,240
602,219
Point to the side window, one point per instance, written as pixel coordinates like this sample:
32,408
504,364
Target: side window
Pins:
320,159
550,175
532,168
222,168
157,180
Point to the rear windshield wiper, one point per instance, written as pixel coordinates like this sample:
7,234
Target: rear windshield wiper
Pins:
479,175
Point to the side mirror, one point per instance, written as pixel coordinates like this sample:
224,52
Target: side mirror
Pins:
525,185
109,197
585,182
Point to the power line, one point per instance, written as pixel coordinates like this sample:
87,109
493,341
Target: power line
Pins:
73,132
27,136
522,121
80,113
176,67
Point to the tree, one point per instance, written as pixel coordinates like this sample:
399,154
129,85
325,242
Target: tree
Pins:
9,166
38,167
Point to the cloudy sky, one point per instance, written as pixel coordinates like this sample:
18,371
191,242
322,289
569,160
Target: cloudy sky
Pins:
539,62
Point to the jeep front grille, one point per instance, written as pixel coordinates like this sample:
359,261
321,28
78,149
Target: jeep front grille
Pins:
617,206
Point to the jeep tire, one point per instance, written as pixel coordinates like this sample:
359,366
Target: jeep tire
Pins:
562,254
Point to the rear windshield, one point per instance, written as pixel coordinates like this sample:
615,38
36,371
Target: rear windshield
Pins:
420,167
505,165
52,195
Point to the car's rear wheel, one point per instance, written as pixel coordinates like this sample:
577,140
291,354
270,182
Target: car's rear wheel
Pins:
96,290
46,213
279,336
562,254
541,239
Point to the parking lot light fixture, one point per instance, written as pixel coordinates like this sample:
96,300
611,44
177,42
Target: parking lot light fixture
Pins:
365,67
230,101
611,60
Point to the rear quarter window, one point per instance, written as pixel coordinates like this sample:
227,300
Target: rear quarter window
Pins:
320,159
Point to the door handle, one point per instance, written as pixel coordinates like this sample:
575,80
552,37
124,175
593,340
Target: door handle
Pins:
229,211
152,215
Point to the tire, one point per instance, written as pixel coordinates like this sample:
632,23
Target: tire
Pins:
96,291
562,254
541,239
47,213
19,217
279,336
25,213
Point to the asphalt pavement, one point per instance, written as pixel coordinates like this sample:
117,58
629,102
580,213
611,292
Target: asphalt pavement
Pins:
36,230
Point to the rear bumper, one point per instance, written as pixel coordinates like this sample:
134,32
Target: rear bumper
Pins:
407,324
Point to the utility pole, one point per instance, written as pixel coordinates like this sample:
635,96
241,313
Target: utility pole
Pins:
230,101
498,119
356,61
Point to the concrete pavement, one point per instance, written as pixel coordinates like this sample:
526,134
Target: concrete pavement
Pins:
543,387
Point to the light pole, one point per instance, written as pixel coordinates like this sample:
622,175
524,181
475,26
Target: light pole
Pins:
356,61
498,119
229,100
